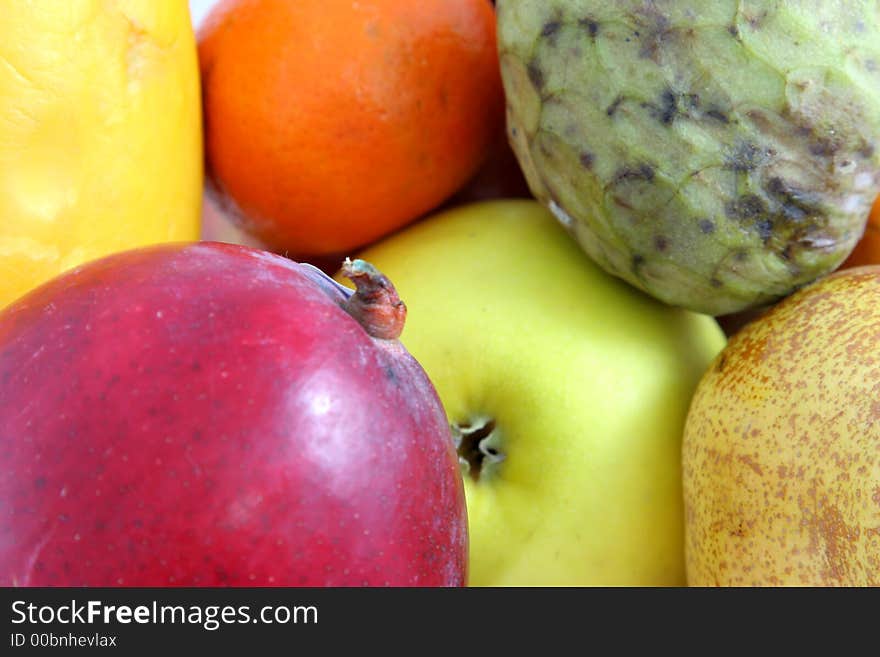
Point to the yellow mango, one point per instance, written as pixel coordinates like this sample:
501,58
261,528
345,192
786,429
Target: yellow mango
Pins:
100,133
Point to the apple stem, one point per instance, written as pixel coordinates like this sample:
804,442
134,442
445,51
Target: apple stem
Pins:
480,447
375,304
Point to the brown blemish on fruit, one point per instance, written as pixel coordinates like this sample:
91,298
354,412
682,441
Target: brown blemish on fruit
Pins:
612,108
550,31
794,204
590,25
670,106
667,109
759,119
661,243
654,30
750,462
536,75
764,227
800,129
753,351
747,206
644,172
550,28
745,157
838,539
546,150
825,146
707,227
587,159
718,115
782,491
755,20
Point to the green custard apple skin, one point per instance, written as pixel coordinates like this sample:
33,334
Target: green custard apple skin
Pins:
717,155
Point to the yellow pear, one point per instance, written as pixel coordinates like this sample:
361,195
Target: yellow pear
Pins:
781,452
100,133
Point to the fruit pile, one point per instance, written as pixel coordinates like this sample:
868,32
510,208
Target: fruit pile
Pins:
440,293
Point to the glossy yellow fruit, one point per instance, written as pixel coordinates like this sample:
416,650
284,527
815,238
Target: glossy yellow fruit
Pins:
100,132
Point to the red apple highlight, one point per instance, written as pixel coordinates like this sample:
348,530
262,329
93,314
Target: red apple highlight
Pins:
212,414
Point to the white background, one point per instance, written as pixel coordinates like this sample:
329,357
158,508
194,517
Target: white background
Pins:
215,225
198,9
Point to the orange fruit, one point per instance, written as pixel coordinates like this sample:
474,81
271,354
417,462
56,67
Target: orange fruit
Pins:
867,251
331,123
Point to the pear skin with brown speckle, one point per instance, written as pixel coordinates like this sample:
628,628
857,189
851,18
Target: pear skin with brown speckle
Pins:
781,451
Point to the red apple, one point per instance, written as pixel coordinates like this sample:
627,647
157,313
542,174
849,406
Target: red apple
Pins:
212,414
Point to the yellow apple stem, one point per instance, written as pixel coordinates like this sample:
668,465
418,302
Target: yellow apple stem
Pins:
480,447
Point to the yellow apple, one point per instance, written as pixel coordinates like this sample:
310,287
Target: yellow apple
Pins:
781,454
567,392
